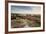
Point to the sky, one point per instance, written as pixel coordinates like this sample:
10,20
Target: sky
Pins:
26,9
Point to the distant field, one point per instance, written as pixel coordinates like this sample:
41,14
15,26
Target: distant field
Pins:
25,20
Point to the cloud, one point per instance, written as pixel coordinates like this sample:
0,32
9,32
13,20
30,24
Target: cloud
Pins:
26,9
21,8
